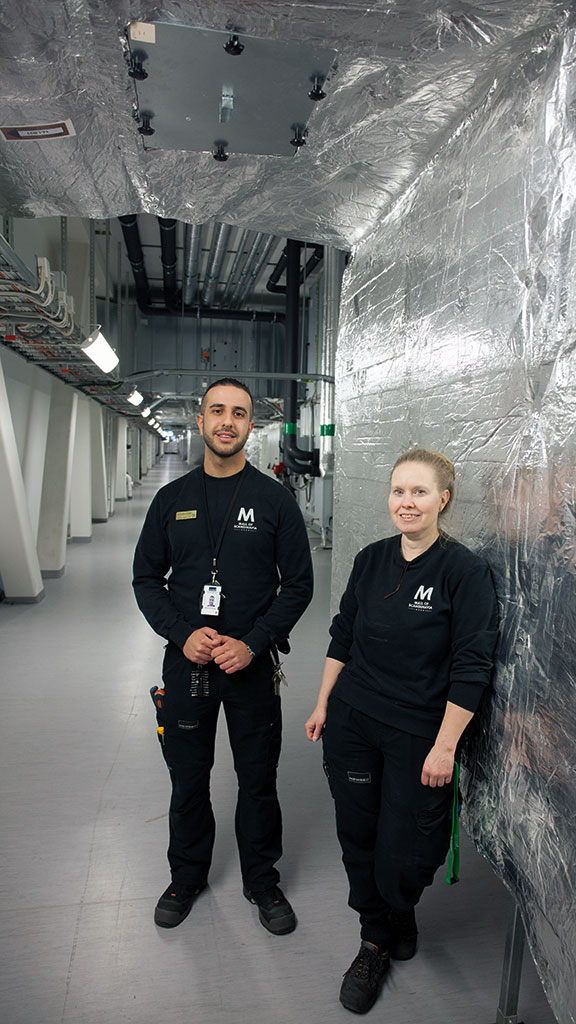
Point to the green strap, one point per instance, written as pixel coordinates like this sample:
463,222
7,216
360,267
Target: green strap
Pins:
452,875
327,429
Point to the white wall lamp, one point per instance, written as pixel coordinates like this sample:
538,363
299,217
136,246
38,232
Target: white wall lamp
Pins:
98,350
135,398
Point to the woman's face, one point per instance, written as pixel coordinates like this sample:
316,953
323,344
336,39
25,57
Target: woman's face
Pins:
415,500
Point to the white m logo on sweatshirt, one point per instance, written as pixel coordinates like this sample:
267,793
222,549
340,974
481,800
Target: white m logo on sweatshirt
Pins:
246,516
423,595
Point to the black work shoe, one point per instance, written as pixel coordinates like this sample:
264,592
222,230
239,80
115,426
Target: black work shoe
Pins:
403,934
274,911
175,904
363,979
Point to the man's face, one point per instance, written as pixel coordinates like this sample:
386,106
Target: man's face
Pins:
225,423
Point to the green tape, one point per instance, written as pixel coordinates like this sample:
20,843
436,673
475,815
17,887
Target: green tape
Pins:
289,428
327,429
453,873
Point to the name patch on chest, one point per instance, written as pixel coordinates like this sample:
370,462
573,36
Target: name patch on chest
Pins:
190,514
422,600
245,520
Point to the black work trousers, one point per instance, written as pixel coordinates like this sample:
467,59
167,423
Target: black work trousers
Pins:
394,831
253,718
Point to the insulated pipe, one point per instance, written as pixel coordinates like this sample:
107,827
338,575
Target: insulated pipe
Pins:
333,268
168,256
247,268
311,264
191,268
244,238
129,225
215,261
299,460
262,316
251,280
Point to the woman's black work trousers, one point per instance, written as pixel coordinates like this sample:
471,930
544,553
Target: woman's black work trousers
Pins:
253,718
394,831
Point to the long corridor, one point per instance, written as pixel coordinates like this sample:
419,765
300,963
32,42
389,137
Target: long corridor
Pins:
84,825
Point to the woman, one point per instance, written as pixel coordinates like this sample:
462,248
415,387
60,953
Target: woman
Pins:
410,656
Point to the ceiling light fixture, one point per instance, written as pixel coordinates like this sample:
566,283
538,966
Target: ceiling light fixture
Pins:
146,412
135,398
98,350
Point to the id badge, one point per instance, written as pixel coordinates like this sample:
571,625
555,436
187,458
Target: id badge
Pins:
211,595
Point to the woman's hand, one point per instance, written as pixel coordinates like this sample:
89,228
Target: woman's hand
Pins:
315,724
438,768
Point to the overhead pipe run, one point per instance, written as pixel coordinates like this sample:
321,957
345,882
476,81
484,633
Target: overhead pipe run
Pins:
168,257
135,253
129,225
191,268
239,287
214,268
298,460
311,264
251,280
238,259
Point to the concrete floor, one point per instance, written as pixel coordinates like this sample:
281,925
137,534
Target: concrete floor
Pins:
84,799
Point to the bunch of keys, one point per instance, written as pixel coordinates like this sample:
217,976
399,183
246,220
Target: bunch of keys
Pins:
199,681
278,677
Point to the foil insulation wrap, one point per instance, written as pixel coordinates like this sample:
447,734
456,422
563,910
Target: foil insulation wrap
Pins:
406,73
458,333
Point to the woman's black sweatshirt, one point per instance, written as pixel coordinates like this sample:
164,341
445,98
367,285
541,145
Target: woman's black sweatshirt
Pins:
408,651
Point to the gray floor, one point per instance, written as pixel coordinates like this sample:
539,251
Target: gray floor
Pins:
84,797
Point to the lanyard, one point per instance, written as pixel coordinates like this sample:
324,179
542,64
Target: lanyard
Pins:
218,544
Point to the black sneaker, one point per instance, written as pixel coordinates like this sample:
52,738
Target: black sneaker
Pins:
175,904
363,979
274,911
403,934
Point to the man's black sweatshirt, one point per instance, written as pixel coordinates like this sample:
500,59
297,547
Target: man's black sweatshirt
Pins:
414,635
264,565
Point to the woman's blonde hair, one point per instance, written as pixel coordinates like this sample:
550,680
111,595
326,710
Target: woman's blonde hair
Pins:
443,469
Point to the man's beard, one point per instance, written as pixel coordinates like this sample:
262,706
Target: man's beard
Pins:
227,450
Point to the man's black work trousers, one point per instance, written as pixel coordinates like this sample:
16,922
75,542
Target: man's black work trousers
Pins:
394,831
253,718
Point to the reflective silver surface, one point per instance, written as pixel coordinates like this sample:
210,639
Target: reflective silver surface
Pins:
457,333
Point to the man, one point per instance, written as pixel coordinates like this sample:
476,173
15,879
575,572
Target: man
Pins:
235,545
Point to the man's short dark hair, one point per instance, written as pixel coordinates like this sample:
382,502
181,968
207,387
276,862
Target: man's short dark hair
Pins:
230,382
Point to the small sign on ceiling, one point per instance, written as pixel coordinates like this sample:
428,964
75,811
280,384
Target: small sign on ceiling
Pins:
37,132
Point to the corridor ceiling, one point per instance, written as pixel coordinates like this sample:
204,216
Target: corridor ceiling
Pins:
400,77
407,74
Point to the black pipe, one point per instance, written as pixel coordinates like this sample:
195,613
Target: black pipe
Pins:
311,264
298,460
168,257
129,225
260,316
